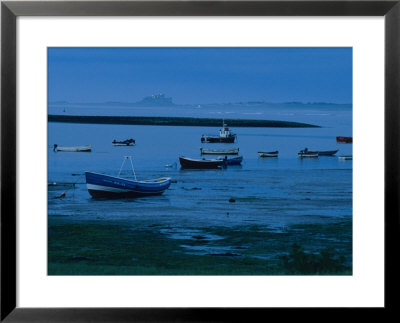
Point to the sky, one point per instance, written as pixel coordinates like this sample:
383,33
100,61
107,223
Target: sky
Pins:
200,75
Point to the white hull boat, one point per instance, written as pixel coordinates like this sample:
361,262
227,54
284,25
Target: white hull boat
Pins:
233,151
268,153
85,148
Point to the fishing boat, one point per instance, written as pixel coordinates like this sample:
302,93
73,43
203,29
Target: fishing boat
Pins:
346,140
233,151
85,148
127,142
200,163
307,153
225,136
232,161
106,186
327,152
346,157
268,153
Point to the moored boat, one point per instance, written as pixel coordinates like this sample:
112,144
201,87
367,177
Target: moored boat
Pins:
225,136
268,153
346,140
127,142
345,157
106,186
200,163
233,151
85,148
232,161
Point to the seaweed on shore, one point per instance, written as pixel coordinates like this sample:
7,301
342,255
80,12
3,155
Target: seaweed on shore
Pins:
298,261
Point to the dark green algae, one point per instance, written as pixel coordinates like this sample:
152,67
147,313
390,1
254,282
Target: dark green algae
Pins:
113,248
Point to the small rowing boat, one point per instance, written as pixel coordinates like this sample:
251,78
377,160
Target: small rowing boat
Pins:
233,151
307,153
268,154
345,157
85,148
231,161
200,163
106,186
127,142
346,140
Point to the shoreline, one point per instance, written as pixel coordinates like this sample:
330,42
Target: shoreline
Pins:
86,247
177,121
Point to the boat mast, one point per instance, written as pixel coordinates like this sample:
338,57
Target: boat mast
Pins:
133,169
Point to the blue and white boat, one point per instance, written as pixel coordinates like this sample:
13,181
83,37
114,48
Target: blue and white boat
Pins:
232,161
106,186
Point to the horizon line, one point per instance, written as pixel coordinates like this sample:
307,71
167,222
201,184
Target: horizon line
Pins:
253,102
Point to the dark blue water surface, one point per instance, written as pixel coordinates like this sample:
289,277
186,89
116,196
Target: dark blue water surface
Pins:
274,191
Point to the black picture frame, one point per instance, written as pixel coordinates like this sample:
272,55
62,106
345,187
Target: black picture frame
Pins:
10,10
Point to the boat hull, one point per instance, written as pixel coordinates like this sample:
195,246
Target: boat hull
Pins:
327,153
219,152
74,149
268,154
345,157
346,140
209,139
233,161
200,163
121,144
105,186
128,142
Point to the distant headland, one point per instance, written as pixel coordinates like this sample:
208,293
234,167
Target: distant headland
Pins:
161,100
177,121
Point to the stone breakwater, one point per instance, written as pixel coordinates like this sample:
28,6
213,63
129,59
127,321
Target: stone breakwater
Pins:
177,121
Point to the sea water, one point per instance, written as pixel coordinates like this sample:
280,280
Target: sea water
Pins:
275,193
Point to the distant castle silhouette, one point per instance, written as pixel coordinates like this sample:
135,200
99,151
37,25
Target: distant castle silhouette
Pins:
156,100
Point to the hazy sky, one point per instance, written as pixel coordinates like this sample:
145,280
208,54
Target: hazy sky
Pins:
201,75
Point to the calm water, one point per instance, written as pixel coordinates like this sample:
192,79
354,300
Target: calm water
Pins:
338,116
274,192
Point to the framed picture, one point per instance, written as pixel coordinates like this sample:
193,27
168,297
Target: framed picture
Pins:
167,160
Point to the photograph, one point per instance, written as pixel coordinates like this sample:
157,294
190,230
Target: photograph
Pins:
200,161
